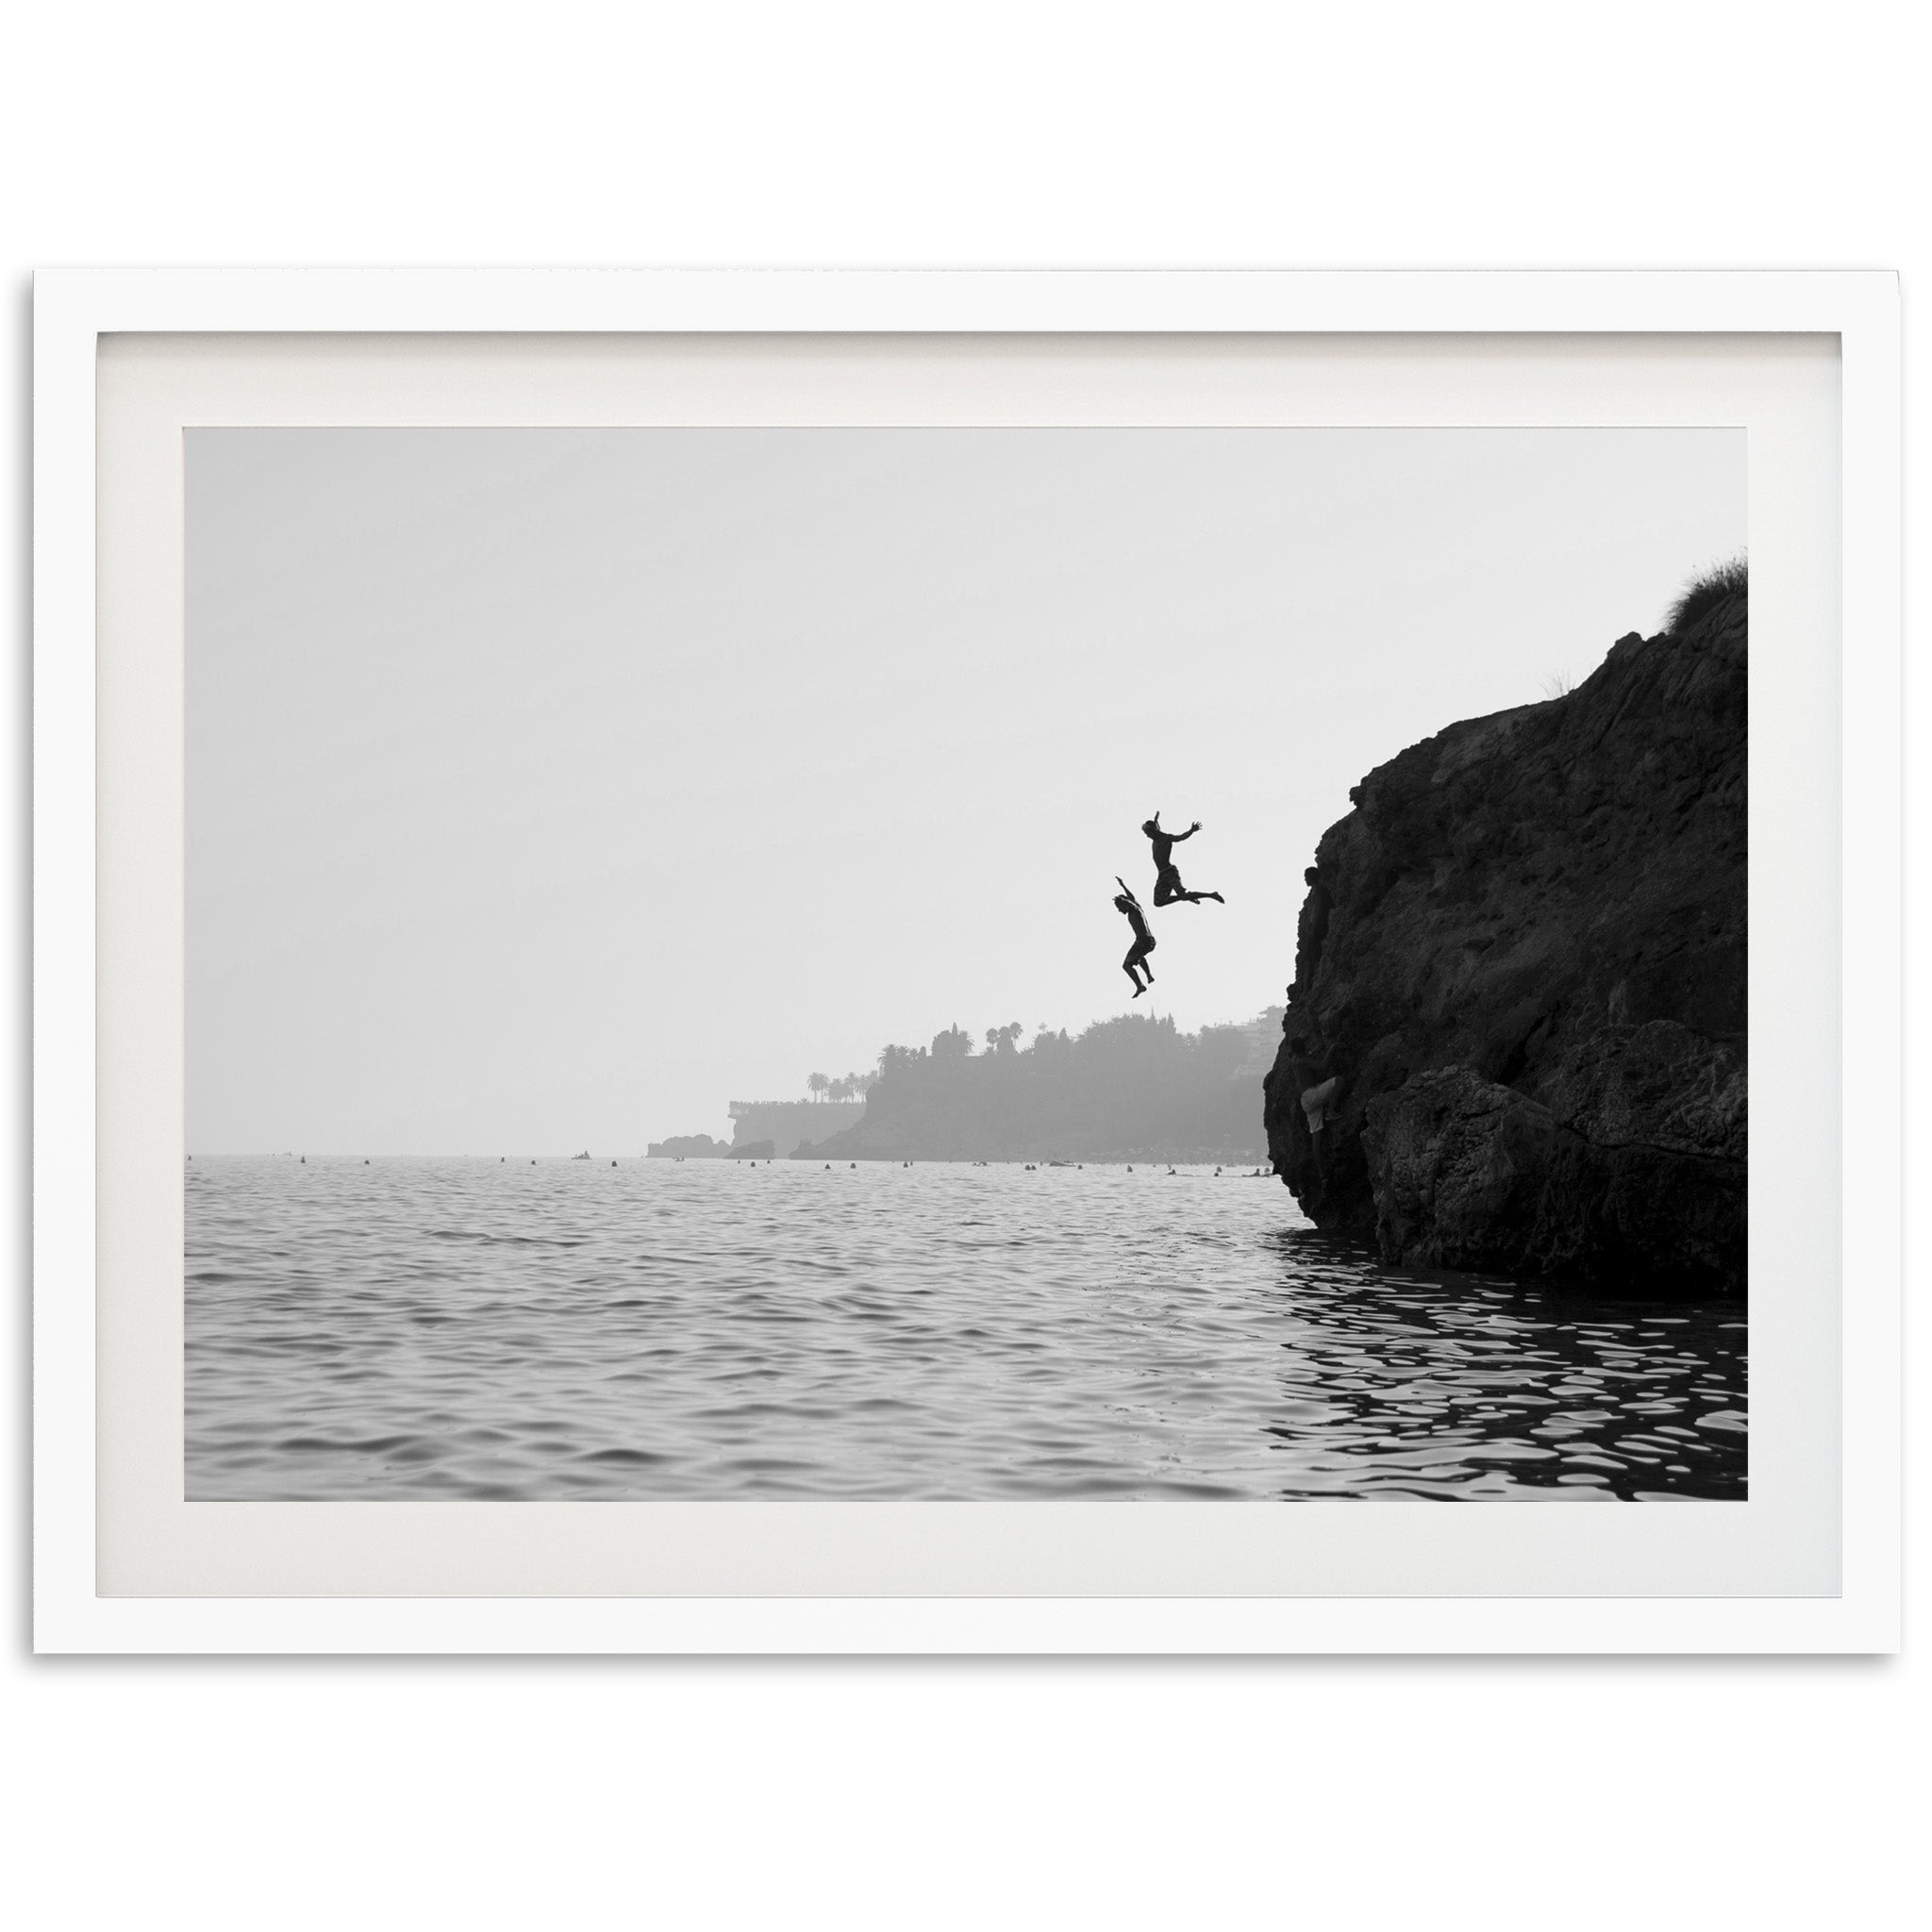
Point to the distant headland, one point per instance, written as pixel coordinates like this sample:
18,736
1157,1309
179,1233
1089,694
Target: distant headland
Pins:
1134,1088
702,1147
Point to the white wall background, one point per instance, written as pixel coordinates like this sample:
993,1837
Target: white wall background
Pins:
1581,1794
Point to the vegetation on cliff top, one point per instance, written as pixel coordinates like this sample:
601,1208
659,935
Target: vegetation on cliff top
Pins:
1706,590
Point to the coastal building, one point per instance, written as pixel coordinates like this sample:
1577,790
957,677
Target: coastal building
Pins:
788,1122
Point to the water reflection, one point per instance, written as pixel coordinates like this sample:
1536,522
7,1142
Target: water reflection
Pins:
1410,1384
445,1330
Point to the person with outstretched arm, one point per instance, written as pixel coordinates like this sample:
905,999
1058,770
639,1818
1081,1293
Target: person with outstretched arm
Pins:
1167,875
1136,961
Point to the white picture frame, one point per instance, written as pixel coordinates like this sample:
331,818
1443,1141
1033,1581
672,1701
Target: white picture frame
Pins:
81,1115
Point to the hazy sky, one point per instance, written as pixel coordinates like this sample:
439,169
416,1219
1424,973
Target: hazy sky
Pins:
548,789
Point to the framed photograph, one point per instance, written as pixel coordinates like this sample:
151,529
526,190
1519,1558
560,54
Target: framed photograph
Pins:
941,962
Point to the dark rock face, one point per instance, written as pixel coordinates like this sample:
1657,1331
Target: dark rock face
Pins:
1522,963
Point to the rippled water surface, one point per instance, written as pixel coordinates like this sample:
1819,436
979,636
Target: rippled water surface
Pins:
450,1328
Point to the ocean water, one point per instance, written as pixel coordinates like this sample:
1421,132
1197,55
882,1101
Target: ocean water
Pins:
709,1329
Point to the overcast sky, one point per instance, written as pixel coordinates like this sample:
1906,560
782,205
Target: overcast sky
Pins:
549,789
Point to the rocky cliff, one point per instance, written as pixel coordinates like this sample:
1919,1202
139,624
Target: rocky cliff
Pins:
1516,1036
700,1147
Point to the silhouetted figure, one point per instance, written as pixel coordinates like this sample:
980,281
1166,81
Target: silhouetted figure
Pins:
1136,962
1311,928
1167,875
1319,1098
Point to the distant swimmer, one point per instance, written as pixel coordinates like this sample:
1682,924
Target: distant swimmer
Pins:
1136,961
1167,875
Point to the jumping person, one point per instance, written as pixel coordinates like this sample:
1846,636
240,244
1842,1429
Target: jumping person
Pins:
1136,961
1167,875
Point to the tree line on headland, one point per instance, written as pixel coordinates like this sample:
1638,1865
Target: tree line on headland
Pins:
1133,1086
824,1087
954,1043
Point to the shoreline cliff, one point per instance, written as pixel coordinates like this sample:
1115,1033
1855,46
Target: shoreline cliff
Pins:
1516,1040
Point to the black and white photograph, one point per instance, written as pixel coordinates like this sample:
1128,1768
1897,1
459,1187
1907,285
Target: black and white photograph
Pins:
995,964
850,844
